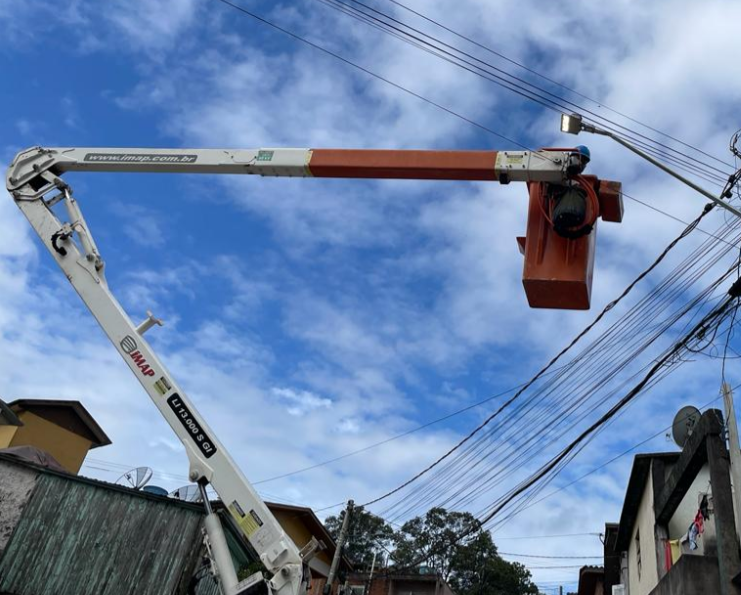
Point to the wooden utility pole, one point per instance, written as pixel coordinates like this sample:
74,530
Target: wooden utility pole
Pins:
735,453
339,546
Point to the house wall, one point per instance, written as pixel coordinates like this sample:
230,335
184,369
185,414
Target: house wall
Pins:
691,575
76,538
68,448
6,435
414,587
644,525
685,514
300,534
16,487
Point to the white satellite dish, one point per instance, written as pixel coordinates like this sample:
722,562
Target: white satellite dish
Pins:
189,493
685,422
136,478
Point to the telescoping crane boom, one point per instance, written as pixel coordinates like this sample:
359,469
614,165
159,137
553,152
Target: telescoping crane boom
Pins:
564,206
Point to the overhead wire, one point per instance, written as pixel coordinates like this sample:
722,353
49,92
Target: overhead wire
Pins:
390,439
713,317
551,557
239,8
527,420
517,85
384,79
550,364
600,104
601,466
710,318
371,73
678,273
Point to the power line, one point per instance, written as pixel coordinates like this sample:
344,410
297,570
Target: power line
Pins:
387,440
551,363
550,80
670,216
519,86
608,462
400,87
371,73
711,320
552,557
715,316
554,567
174,477
513,456
556,535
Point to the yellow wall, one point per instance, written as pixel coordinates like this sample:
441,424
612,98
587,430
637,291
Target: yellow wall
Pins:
297,531
6,435
66,447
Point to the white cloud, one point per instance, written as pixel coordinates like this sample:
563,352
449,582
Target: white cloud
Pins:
299,402
388,291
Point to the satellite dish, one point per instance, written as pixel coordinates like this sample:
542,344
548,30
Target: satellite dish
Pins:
189,493
684,424
156,490
136,478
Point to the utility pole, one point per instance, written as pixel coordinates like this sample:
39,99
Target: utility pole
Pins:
560,590
369,582
338,551
735,453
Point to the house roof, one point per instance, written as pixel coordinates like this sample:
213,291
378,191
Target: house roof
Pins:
589,577
34,455
636,484
8,416
313,524
70,415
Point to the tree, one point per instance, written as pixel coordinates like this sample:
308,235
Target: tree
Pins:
471,565
433,536
367,534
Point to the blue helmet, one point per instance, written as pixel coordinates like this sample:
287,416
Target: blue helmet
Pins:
584,152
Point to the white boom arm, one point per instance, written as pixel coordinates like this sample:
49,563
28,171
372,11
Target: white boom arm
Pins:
34,181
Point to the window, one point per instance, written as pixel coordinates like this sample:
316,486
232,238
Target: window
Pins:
638,553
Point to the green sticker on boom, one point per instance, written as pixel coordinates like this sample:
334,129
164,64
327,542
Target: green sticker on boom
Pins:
265,155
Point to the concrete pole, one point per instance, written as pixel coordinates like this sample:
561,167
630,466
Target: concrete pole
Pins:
729,563
338,550
369,582
735,453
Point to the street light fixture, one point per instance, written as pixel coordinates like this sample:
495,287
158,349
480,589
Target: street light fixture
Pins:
574,124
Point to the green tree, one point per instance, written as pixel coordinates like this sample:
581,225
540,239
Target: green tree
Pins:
367,534
434,537
471,565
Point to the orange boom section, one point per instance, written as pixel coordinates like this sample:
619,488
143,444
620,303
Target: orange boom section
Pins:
406,164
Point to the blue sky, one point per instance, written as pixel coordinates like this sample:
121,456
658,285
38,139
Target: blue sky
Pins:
310,318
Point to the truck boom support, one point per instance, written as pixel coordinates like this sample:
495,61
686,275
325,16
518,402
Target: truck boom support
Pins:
518,166
34,180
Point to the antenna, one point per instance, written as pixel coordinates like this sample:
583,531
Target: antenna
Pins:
684,424
188,492
136,478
